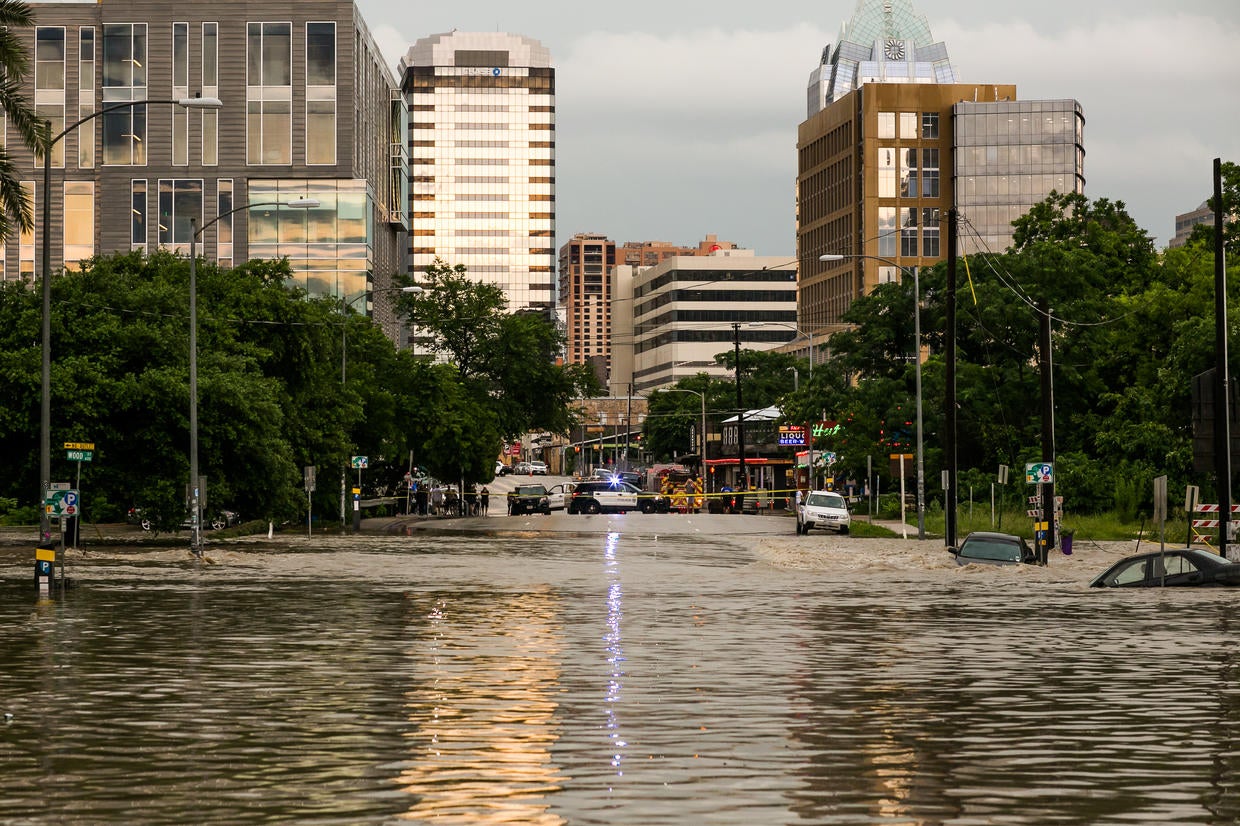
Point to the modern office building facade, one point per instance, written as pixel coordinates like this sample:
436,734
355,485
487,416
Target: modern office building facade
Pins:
309,110
882,163
687,310
1008,156
482,159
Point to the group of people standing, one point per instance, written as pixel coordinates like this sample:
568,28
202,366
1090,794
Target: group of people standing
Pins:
444,500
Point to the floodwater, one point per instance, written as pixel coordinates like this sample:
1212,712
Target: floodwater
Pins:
612,670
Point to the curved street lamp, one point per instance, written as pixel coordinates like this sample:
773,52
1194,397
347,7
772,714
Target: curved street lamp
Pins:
45,412
195,483
921,468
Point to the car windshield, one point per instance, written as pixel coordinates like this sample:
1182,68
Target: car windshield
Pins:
827,500
997,549
531,490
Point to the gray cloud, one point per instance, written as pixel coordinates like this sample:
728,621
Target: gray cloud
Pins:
671,126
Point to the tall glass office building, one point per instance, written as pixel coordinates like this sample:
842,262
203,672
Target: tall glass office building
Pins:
482,160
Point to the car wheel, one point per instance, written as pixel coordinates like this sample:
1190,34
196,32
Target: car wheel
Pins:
592,506
647,507
217,523
546,511
844,531
146,524
806,526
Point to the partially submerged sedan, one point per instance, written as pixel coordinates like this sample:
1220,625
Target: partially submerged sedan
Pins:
990,548
1176,566
824,509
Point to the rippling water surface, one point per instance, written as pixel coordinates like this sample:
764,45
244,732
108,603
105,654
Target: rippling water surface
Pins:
610,678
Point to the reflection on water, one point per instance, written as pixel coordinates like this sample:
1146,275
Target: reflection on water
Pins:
610,679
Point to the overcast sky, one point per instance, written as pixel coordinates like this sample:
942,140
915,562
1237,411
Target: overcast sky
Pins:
672,125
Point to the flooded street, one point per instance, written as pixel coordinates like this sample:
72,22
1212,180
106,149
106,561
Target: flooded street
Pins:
610,670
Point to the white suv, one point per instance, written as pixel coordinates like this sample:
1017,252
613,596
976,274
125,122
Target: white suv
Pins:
539,468
823,509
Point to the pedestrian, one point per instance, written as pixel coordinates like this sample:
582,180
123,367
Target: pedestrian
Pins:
471,501
437,501
484,497
450,502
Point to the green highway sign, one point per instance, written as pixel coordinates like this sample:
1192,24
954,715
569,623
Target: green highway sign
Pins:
79,455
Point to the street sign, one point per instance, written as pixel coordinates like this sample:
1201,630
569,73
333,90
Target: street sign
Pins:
309,478
77,455
360,461
1039,473
79,445
63,503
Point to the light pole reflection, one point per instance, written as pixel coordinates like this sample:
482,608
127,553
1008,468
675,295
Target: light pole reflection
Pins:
615,651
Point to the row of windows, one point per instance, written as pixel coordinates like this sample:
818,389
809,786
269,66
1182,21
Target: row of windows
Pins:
912,127
898,231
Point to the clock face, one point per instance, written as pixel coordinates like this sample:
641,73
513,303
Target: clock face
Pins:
894,49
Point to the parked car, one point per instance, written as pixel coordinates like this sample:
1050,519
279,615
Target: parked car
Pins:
614,496
521,468
989,548
1173,567
535,499
217,521
824,509
502,469
536,467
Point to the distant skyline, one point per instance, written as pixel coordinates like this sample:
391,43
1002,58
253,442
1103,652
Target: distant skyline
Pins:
672,125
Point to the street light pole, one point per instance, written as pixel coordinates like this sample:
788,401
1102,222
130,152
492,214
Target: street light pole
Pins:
45,405
921,453
195,481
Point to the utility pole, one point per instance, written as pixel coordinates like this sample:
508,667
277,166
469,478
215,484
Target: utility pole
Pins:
1222,381
1048,427
949,402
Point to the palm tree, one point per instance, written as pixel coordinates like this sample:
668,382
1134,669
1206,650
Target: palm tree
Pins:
15,204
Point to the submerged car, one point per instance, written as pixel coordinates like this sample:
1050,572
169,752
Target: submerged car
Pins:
1172,567
216,522
824,509
989,548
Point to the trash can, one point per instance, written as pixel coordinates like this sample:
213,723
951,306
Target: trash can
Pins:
1065,542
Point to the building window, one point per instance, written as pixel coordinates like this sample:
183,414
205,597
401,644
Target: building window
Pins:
886,124
886,172
49,59
49,84
929,125
269,121
180,90
930,173
321,54
908,126
86,97
179,201
79,223
908,232
137,221
210,88
887,231
25,243
124,80
224,225
930,232
908,173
